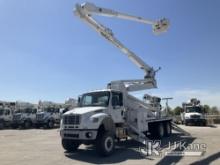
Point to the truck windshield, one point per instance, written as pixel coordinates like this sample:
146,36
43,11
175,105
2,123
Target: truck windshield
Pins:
193,109
95,99
18,111
49,109
27,110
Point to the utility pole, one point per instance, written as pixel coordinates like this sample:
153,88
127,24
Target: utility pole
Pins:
167,99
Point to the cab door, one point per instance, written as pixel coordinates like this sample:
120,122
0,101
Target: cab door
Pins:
117,107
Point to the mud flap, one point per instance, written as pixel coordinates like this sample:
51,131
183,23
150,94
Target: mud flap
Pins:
178,129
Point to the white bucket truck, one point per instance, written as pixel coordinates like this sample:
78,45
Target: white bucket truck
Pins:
193,113
113,113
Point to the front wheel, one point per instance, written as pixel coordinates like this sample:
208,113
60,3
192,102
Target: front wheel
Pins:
2,125
50,124
70,145
105,144
27,124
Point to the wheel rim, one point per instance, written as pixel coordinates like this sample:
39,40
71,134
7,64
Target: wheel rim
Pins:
50,124
108,144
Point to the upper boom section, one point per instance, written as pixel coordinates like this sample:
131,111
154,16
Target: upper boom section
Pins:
85,12
90,9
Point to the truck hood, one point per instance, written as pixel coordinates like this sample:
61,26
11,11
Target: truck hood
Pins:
83,110
193,113
45,114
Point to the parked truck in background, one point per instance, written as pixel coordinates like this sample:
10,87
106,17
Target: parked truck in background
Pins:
6,114
69,104
193,113
24,115
48,114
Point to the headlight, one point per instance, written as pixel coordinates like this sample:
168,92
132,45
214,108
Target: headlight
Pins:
61,124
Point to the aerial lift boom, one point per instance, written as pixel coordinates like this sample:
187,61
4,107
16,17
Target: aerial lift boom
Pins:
85,12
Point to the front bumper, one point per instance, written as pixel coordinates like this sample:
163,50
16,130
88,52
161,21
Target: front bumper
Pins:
17,122
77,134
196,121
41,122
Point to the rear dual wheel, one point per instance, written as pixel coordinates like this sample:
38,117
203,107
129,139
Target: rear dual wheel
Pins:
167,129
161,129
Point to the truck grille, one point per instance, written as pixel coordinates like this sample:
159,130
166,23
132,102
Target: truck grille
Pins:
16,117
71,119
71,135
40,116
195,116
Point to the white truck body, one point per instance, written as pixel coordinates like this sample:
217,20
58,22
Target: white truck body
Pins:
193,113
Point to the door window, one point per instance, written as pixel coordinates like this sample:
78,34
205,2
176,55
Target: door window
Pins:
117,99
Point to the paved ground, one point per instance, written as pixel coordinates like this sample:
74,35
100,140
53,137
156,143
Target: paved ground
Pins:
42,147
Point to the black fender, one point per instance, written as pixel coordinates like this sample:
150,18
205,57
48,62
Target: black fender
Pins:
29,120
108,125
51,119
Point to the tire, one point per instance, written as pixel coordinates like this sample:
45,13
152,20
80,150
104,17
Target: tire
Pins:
2,125
27,124
70,145
167,129
202,123
50,124
37,126
105,144
14,126
159,132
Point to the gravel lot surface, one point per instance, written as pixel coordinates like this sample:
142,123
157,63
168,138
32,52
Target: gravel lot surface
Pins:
43,147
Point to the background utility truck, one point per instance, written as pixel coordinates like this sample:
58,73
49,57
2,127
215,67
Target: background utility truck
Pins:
48,114
24,115
113,113
6,114
69,104
193,113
